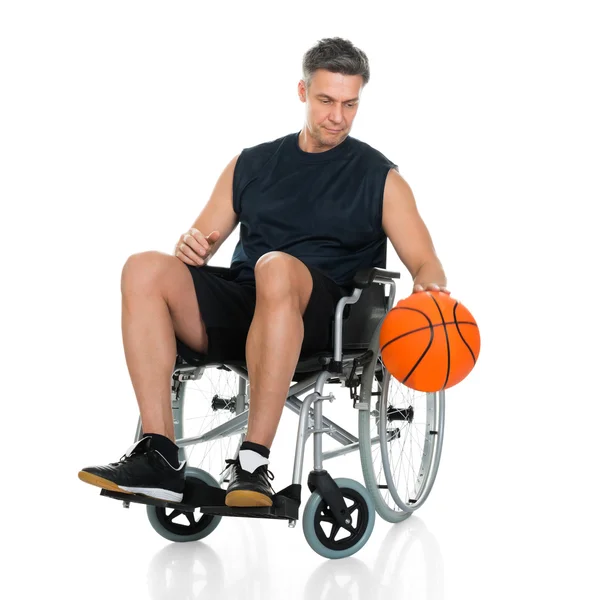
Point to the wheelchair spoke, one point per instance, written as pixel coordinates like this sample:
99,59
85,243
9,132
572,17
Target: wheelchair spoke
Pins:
405,458
175,513
327,517
334,530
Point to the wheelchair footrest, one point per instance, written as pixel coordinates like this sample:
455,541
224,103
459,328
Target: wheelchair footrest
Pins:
284,507
212,502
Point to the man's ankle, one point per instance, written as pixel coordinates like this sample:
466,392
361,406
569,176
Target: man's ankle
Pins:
165,446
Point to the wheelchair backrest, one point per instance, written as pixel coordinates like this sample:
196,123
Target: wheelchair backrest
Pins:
361,319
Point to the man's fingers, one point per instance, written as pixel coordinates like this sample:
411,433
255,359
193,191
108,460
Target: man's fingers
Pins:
215,233
187,252
433,287
200,239
193,247
184,259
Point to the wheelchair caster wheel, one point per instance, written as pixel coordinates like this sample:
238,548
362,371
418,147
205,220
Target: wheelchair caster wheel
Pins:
179,526
322,531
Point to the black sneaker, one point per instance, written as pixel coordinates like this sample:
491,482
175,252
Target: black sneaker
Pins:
140,470
249,489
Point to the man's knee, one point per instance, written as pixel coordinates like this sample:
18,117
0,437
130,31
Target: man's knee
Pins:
280,276
144,271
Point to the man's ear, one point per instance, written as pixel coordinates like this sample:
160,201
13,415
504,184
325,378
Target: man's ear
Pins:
302,90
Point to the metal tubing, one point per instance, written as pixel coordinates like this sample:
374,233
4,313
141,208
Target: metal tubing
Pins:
338,322
339,434
230,428
302,435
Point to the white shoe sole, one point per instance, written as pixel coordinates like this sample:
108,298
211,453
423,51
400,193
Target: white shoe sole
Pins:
158,493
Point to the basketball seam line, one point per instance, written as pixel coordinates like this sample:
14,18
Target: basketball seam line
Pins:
428,327
462,337
428,345
421,357
446,339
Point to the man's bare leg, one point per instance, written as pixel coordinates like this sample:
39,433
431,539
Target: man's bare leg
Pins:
158,298
284,286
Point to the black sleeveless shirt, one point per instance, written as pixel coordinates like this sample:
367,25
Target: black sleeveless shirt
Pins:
324,208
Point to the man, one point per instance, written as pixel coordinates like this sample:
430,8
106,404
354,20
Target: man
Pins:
313,208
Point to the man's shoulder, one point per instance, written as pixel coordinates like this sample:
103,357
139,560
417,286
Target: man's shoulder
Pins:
372,155
253,159
266,148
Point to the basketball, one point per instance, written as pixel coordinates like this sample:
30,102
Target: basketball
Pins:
429,341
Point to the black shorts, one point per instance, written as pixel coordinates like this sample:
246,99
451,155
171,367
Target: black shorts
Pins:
227,308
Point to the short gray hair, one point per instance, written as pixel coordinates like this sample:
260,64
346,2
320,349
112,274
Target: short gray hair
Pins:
337,56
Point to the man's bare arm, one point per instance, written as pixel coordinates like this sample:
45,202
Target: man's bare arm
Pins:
409,235
198,245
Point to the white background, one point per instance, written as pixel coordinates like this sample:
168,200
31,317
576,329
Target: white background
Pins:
116,119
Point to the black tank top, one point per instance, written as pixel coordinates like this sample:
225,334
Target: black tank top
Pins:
324,208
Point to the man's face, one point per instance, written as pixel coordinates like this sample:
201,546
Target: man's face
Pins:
331,105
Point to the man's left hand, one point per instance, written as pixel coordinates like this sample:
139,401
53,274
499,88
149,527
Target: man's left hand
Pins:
431,287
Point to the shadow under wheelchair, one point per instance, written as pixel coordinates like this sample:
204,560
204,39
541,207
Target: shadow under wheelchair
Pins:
399,440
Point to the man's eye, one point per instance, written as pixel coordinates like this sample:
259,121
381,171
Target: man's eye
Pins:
324,101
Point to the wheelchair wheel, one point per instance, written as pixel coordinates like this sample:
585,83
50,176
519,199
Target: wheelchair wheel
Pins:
400,439
321,530
179,526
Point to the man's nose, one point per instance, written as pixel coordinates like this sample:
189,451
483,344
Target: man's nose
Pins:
336,114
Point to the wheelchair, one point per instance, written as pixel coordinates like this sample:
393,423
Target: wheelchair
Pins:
400,434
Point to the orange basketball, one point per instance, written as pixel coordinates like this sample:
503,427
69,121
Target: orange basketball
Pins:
429,341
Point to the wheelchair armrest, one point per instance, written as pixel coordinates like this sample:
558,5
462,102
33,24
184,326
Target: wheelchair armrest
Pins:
365,277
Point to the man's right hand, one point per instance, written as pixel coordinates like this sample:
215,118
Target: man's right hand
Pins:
194,248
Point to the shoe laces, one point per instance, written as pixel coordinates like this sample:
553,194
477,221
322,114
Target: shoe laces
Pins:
132,452
236,462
